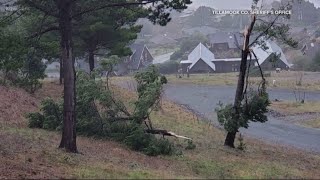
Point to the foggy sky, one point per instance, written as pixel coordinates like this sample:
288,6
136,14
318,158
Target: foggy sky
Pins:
232,4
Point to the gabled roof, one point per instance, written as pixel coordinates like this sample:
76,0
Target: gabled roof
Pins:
137,50
137,54
223,37
262,55
201,52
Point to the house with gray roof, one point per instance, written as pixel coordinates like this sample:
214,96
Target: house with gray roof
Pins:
139,59
203,60
272,57
199,60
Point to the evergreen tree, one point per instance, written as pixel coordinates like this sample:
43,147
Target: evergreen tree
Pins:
65,12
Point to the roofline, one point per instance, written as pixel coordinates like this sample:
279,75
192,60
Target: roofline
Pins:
144,46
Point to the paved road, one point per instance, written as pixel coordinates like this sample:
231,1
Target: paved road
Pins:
204,99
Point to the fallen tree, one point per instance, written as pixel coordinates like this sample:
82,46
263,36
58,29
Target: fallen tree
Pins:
101,114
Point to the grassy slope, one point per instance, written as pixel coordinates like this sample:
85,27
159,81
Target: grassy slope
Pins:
310,81
292,108
33,153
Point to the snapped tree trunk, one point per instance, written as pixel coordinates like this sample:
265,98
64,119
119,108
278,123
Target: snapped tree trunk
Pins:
229,141
91,61
68,140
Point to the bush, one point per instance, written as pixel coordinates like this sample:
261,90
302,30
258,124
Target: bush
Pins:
190,145
168,67
140,141
35,120
51,119
159,146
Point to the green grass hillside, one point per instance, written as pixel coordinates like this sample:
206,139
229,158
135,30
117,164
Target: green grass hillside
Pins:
33,153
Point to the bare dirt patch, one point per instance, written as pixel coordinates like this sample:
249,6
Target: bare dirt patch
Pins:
15,103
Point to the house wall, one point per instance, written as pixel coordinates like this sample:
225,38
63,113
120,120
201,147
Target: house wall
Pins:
221,67
184,67
201,67
267,65
227,66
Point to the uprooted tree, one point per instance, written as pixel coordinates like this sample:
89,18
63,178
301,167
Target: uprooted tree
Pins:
251,105
65,12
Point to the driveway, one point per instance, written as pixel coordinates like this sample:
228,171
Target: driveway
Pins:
204,99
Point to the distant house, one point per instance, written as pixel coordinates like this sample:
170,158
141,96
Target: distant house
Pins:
225,44
199,61
203,60
271,58
140,58
311,49
223,41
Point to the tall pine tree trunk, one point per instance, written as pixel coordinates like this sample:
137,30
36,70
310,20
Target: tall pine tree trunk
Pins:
229,141
68,140
61,65
91,61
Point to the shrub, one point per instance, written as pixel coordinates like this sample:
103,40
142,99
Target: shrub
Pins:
51,117
168,67
159,146
190,145
35,120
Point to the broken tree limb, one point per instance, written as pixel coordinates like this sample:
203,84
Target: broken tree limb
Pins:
165,133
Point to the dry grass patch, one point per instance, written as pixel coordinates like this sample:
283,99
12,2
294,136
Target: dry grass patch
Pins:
285,79
293,108
205,79
314,123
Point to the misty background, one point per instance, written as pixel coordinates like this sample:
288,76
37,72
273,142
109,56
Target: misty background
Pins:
234,4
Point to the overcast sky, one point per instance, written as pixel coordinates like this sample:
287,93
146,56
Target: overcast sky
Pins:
232,4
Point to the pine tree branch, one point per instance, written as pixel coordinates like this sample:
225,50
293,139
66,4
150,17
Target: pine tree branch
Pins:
265,31
114,5
40,8
52,28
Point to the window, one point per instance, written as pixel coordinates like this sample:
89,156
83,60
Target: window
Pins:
234,68
145,56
